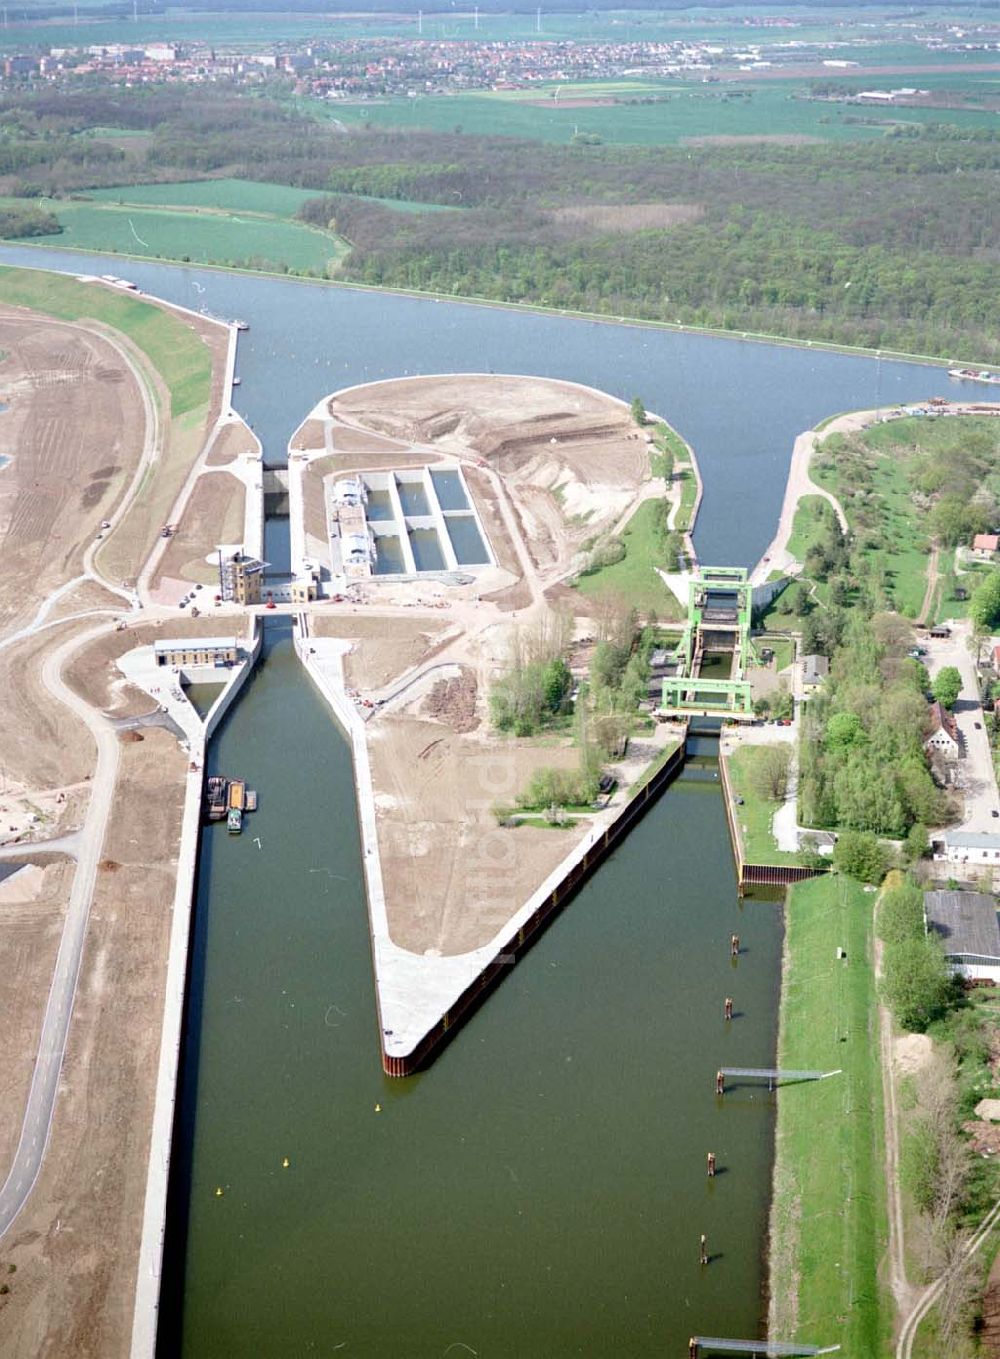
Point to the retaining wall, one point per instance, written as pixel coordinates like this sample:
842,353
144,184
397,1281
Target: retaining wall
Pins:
154,1218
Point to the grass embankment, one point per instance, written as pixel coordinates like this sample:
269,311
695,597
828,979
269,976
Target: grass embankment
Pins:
755,815
199,235
828,1214
171,346
635,575
175,356
808,526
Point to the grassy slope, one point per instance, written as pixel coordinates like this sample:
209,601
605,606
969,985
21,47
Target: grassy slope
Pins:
828,1215
808,527
635,576
756,814
172,347
206,237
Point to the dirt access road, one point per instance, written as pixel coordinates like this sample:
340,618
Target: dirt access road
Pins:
74,433
73,1192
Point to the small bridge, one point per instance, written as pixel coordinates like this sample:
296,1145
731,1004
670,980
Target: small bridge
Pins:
773,1075
700,1344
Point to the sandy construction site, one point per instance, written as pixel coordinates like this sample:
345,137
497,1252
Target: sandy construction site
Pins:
548,465
95,465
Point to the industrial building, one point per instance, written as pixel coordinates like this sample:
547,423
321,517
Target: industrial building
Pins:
189,651
241,576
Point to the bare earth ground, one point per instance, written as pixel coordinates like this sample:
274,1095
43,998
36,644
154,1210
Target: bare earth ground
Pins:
632,216
76,1242
453,876
547,464
32,909
87,595
310,435
124,552
214,514
379,658
74,432
233,439
42,744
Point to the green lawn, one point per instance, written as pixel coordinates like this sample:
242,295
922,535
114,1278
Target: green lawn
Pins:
812,516
635,575
828,1215
689,494
171,346
754,817
208,237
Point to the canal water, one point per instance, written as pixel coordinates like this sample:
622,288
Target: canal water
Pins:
540,1190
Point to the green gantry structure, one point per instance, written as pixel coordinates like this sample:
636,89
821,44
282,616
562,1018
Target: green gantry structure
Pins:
720,603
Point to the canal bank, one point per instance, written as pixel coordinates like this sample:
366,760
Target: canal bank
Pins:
533,1192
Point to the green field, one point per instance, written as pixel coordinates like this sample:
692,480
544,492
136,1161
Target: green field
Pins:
227,195
812,515
682,111
172,347
828,1218
756,813
635,575
238,196
208,237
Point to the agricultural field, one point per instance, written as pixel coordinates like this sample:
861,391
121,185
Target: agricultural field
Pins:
198,237
236,196
655,113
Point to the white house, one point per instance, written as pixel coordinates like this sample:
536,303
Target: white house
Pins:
969,847
943,737
966,922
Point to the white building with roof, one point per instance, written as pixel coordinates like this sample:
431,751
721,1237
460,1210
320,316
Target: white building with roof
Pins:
966,923
969,847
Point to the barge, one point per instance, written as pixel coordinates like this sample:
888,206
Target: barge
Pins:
974,375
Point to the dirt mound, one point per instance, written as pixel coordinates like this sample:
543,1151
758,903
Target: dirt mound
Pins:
131,736
453,701
109,865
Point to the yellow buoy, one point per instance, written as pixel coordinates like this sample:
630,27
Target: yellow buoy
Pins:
218,1191
285,1162
378,1108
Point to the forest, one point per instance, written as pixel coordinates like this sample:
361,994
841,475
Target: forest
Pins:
885,243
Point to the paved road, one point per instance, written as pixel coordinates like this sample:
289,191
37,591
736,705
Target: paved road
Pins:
975,770
55,1026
